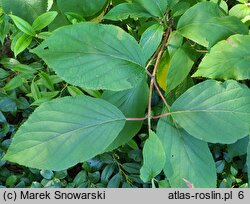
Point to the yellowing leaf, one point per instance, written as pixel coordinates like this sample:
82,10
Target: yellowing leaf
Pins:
162,71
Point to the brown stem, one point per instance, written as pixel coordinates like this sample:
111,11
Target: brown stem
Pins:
161,95
159,55
152,117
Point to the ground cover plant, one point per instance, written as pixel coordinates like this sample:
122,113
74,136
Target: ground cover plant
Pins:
142,93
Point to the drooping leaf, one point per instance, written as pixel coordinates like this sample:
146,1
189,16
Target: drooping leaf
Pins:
214,112
28,10
153,158
186,158
84,8
132,103
151,39
238,148
106,58
206,24
65,131
180,66
228,59
44,20
162,71
23,25
4,28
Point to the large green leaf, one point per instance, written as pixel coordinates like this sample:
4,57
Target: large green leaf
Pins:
138,9
180,66
214,112
153,158
65,131
151,39
186,158
29,10
228,59
206,24
132,103
105,58
84,8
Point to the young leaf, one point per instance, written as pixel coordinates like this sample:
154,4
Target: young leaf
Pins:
132,103
153,158
15,82
214,112
65,131
22,43
74,91
44,20
106,58
23,25
206,24
228,59
4,28
151,39
35,92
186,157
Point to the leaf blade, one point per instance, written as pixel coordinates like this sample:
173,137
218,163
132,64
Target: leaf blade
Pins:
72,124
214,104
92,58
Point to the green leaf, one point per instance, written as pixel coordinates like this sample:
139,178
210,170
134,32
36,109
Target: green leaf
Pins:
22,43
214,112
4,28
240,11
115,181
74,91
180,66
186,158
47,82
59,133
132,103
23,25
138,9
232,60
206,24
15,82
25,9
238,148
91,62
7,104
84,8
151,39
35,92
154,7
126,10
153,158
44,20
